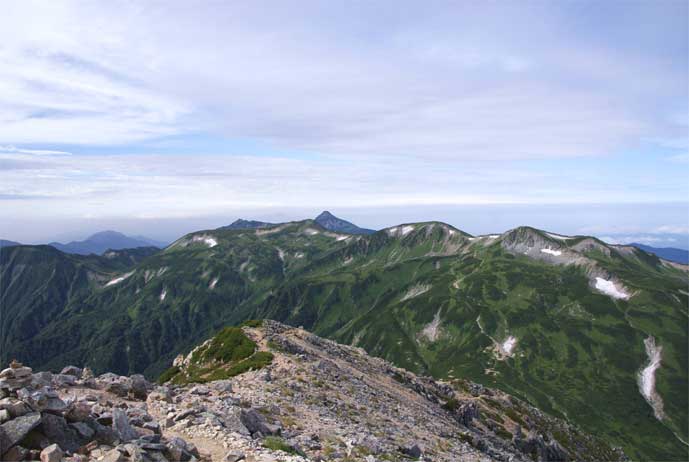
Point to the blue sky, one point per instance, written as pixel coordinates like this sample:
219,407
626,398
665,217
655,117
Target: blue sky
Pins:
164,117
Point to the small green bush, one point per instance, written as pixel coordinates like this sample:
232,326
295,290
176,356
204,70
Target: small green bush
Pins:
451,405
168,374
252,323
231,344
278,444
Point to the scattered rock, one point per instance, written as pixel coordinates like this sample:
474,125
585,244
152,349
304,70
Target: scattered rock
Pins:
52,453
16,429
72,370
234,456
413,451
255,422
120,423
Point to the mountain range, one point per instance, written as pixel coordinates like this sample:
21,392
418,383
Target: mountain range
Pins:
106,240
326,219
588,332
668,253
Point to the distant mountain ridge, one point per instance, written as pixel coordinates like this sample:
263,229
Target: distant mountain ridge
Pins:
668,253
247,224
6,243
106,240
326,219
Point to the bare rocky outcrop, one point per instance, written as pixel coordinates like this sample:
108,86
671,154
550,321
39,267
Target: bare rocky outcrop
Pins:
73,416
317,400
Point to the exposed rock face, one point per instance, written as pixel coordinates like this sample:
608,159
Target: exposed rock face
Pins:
50,418
325,401
317,400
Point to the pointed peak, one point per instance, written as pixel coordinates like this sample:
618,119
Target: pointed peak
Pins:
325,214
333,223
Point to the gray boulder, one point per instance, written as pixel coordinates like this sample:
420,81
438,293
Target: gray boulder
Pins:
255,422
64,380
57,430
233,456
72,370
139,387
412,450
16,429
121,426
52,453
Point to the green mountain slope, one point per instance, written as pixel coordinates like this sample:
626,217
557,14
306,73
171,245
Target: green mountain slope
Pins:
561,322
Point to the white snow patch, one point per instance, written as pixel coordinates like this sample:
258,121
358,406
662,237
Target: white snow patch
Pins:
609,288
311,231
392,231
415,291
299,255
119,279
508,345
647,379
163,294
210,241
341,238
493,236
452,232
551,251
432,330
348,260
281,253
407,229
557,236
213,283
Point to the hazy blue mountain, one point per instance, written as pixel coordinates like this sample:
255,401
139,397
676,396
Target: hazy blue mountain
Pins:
668,253
105,240
333,223
6,243
247,224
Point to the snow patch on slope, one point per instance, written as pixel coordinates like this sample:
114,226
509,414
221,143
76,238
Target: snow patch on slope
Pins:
407,229
213,283
609,288
163,294
558,236
207,239
432,330
508,345
117,280
415,291
550,251
647,379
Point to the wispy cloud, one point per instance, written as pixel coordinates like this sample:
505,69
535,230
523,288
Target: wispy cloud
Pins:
33,152
446,80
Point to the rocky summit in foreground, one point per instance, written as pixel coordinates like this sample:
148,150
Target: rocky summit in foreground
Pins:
268,392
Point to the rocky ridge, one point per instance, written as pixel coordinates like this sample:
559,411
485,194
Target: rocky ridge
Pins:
324,401
317,400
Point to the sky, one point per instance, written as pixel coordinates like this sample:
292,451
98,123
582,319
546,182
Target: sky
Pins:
160,118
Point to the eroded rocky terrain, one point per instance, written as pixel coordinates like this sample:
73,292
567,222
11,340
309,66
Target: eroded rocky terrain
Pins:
313,400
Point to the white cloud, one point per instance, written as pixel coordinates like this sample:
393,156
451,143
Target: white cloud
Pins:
680,158
33,152
449,82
